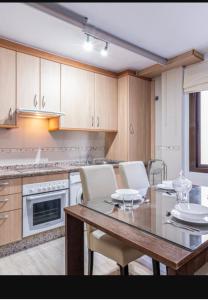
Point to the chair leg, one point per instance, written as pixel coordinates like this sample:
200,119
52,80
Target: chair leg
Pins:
90,261
124,271
155,267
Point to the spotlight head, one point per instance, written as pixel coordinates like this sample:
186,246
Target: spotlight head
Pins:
104,51
88,45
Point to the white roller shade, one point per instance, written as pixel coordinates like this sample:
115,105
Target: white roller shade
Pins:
196,77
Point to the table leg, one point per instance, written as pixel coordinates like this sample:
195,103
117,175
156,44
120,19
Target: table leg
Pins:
185,270
74,246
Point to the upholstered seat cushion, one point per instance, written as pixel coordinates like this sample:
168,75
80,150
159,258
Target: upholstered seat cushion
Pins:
112,248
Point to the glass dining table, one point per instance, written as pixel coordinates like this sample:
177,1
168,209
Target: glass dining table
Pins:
153,215
146,227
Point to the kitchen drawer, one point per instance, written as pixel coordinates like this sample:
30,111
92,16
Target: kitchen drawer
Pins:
10,186
10,226
10,202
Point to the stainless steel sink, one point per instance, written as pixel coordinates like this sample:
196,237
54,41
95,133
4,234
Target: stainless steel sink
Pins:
105,162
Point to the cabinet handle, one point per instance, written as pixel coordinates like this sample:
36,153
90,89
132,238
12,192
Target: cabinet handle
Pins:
98,122
10,114
35,101
3,216
131,129
43,102
92,121
4,183
4,200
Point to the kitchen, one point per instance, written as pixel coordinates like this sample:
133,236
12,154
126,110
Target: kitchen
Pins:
73,98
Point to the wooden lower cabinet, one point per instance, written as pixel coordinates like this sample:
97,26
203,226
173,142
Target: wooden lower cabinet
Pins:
10,226
10,202
10,186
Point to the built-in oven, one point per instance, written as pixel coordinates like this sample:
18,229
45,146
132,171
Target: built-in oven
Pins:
43,206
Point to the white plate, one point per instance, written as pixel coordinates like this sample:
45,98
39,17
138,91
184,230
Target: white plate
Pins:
189,218
166,185
192,209
120,197
129,192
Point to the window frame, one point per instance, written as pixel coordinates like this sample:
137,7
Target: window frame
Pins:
195,135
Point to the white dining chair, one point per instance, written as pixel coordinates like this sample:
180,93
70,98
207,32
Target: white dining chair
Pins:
134,176
100,182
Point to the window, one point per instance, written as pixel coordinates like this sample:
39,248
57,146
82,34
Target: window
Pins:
198,131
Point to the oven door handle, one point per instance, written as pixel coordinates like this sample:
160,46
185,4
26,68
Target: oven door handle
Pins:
45,195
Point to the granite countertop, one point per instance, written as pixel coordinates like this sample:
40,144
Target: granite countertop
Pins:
35,171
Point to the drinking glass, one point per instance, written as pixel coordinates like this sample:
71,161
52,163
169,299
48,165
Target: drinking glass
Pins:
128,202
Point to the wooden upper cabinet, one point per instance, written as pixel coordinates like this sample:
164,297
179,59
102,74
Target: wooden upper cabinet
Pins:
7,87
106,102
50,85
132,141
77,98
28,81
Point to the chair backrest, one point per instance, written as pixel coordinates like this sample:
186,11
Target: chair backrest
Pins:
134,175
156,171
98,181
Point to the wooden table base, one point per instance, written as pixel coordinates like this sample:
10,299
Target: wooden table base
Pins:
178,260
74,246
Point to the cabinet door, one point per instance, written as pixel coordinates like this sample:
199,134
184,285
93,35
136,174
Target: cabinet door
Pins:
50,85
28,78
10,226
77,98
106,102
7,87
139,111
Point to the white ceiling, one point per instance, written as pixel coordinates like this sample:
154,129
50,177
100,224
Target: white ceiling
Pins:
167,29
27,25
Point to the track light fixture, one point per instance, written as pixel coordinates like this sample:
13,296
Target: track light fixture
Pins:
104,51
88,45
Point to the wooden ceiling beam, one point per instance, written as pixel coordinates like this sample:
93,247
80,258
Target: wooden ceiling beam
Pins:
182,60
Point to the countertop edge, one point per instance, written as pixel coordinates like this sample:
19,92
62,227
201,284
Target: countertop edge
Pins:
12,174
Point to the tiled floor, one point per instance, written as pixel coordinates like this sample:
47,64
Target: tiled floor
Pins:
48,259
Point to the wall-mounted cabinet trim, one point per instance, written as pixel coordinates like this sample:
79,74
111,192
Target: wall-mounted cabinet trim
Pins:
54,125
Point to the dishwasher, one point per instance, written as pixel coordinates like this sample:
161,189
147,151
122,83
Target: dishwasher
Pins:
75,188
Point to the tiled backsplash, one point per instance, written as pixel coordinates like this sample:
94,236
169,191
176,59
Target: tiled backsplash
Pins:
32,141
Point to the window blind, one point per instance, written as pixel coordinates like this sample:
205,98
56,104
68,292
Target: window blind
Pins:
196,77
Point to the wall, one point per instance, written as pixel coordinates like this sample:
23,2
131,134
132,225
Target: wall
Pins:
158,118
32,140
196,178
168,118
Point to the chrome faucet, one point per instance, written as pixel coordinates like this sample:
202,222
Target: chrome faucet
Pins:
89,157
